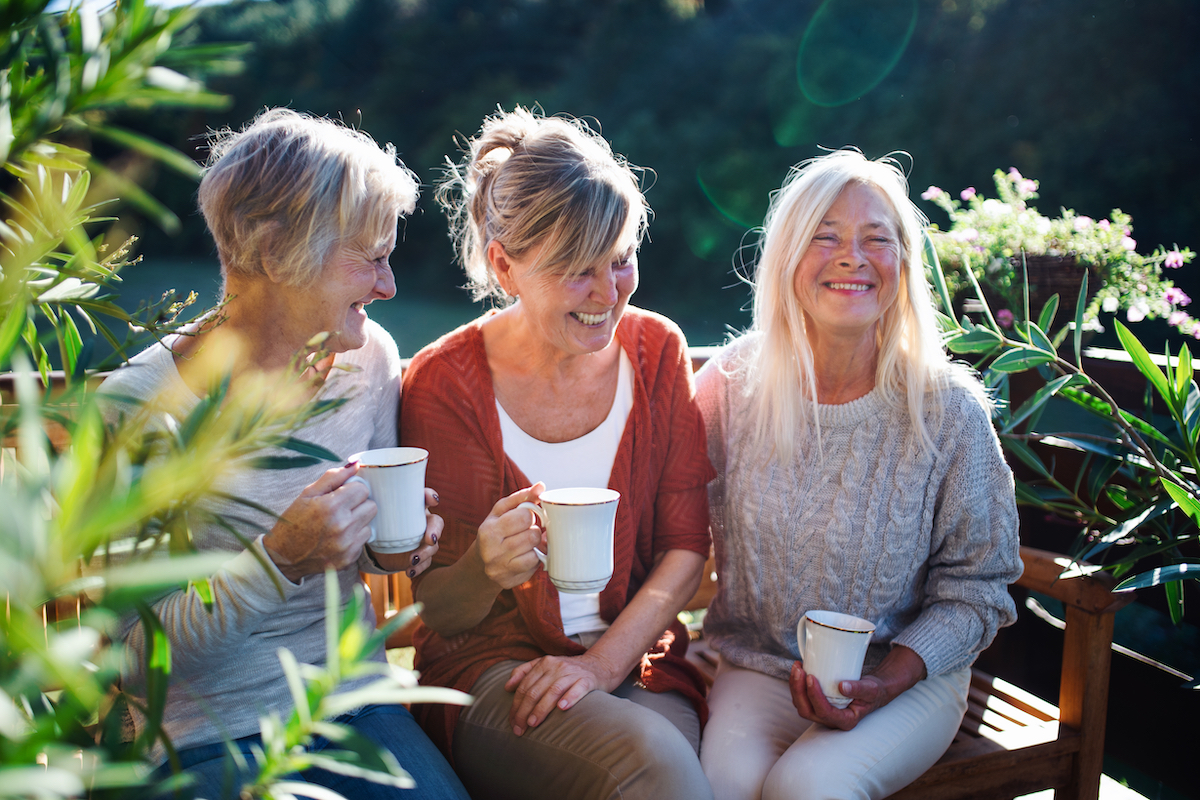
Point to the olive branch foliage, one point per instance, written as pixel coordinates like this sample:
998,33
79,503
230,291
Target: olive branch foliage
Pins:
1136,494
96,494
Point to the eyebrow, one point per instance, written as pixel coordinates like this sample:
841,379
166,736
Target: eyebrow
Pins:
873,225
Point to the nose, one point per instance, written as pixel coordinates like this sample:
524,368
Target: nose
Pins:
850,254
604,286
385,282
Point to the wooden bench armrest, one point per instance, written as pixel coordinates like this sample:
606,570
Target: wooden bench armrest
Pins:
1082,586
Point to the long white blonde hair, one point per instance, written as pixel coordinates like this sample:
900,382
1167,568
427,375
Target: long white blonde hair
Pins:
912,364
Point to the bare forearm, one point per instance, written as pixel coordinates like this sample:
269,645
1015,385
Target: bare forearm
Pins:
666,591
899,671
457,597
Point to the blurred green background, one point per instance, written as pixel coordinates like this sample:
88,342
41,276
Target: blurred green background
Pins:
717,98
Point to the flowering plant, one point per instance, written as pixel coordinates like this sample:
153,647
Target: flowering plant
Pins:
993,237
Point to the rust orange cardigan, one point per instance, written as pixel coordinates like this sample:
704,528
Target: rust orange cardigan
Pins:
661,470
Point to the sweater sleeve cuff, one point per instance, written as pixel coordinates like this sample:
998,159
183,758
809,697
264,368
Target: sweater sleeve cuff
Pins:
245,571
942,638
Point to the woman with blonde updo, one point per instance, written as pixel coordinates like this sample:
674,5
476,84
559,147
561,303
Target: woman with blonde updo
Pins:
581,696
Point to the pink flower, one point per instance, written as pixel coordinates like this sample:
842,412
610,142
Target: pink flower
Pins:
1104,224
1174,259
1177,318
1196,330
1015,174
964,235
931,193
967,193
1027,186
1128,243
1176,297
1082,222
1005,318
1136,312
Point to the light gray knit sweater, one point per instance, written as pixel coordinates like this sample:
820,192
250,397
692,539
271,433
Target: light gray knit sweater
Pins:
225,671
924,546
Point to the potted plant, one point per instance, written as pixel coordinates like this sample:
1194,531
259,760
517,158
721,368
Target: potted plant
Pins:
1135,491
1003,240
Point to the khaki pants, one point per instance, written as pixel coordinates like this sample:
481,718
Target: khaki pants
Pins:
632,743
757,746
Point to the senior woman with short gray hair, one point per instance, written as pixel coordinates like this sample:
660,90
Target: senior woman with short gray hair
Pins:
304,214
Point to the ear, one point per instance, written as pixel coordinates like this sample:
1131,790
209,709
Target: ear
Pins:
501,267
270,265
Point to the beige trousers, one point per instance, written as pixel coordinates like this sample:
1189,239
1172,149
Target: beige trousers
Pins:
632,743
757,746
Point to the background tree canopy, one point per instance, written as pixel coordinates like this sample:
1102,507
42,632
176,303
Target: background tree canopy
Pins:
1091,97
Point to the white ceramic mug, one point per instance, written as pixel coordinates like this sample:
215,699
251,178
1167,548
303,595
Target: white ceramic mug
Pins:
832,647
395,477
579,535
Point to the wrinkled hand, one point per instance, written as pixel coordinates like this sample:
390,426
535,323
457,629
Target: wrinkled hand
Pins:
866,695
507,538
548,682
416,561
326,526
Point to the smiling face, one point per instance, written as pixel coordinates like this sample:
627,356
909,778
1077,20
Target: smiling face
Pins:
850,273
355,276
570,314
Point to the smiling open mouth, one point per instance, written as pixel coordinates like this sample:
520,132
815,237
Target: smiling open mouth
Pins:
850,287
590,319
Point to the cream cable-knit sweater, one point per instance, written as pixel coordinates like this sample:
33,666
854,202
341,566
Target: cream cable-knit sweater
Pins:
922,545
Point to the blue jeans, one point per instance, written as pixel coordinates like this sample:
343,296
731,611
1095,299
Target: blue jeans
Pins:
217,776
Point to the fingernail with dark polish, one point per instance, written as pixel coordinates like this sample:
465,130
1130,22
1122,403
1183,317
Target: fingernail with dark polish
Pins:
433,538
416,560
412,573
436,498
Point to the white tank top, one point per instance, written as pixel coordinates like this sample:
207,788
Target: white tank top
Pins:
586,461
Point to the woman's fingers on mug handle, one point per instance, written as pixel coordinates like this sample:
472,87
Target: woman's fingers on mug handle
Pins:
529,494
331,480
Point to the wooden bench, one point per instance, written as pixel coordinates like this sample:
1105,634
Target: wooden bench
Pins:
1012,743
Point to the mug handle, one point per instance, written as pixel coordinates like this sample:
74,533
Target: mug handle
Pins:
541,518
363,481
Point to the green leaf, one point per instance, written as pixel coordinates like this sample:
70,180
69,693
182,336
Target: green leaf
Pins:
935,272
1141,359
1124,528
157,665
978,340
1183,372
1187,500
1146,429
309,449
10,330
1160,575
1020,359
149,147
281,462
1101,472
1040,397
1046,318
1080,307
1027,454
1039,339
203,589
1174,592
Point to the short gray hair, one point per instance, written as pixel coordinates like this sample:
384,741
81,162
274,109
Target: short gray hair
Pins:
285,191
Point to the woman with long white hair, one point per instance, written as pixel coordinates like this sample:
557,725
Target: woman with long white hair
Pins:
858,472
